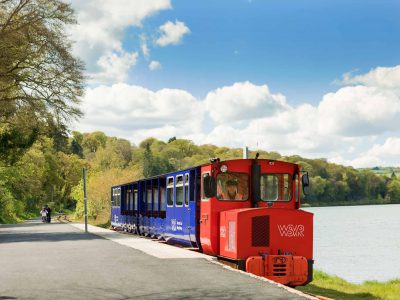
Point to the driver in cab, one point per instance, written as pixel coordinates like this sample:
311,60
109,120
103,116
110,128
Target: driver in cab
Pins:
231,192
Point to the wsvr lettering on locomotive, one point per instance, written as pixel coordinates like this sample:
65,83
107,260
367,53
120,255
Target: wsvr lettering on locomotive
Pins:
291,230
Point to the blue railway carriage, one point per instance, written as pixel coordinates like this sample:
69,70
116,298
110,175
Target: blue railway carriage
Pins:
164,207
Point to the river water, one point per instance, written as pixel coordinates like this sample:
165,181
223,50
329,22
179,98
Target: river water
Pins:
357,243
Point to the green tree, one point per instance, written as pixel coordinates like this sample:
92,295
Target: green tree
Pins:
70,172
122,148
98,191
40,80
59,133
147,142
91,142
148,162
170,140
76,143
394,191
17,135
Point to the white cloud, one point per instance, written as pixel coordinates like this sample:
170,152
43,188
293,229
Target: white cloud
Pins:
154,65
369,106
102,24
135,112
292,130
242,101
363,161
382,77
386,154
359,111
114,67
172,33
143,46
391,148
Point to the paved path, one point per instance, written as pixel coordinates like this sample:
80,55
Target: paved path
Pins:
59,261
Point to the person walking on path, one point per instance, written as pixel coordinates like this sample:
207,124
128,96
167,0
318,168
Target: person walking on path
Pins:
48,214
43,213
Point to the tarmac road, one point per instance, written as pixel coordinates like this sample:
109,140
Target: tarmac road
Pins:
58,261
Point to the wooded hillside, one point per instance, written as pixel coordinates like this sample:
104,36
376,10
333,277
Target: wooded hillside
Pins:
48,174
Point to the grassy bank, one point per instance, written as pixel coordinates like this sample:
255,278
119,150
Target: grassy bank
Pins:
102,220
337,288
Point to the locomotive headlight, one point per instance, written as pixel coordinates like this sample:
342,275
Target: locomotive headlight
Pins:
224,168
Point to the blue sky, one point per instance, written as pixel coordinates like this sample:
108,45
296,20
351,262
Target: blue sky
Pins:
298,47
315,78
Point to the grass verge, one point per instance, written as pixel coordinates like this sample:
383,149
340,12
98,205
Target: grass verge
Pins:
16,219
102,220
338,288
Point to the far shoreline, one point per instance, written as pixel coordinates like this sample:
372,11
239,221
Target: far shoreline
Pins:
307,205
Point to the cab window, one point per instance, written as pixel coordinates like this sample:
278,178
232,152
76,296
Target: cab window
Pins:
204,176
233,186
276,187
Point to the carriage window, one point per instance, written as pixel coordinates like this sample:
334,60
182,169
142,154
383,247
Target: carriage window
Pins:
170,191
135,199
116,197
149,199
233,186
186,189
276,187
127,197
162,198
155,197
179,191
130,200
113,198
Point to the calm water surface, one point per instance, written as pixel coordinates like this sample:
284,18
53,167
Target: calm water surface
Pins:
358,243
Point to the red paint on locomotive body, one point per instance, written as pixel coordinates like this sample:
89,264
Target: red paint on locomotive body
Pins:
238,227
255,231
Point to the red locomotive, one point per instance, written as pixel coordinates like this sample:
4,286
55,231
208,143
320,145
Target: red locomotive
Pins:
260,229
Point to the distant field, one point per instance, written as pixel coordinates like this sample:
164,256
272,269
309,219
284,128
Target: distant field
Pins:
384,171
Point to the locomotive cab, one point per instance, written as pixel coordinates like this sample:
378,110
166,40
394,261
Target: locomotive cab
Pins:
249,216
